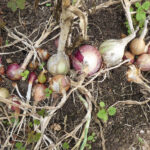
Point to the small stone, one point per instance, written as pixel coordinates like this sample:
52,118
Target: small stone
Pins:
8,60
142,132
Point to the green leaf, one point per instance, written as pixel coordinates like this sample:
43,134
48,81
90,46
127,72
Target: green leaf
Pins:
48,4
12,4
102,114
25,74
30,124
137,5
41,112
41,66
23,148
141,15
146,5
48,92
65,145
74,2
6,42
102,104
37,137
90,138
36,122
111,111
18,145
20,4
140,140
131,9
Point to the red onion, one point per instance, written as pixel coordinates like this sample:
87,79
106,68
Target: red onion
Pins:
87,59
14,72
59,83
2,70
39,92
4,93
32,78
143,62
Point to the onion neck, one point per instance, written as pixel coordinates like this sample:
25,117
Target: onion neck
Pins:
27,60
65,25
144,32
127,39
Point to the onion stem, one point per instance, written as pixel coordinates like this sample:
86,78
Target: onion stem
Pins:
144,32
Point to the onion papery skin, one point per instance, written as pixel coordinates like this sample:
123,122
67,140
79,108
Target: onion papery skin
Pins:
143,62
39,92
4,93
14,72
60,83
130,56
58,64
137,46
44,54
86,59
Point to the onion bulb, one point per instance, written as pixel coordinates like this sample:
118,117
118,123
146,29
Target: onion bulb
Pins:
14,72
87,59
137,46
59,83
133,74
39,92
112,51
4,93
58,64
42,77
143,62
130,56
32,78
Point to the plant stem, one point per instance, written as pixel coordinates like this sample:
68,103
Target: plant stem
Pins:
144,32
65,24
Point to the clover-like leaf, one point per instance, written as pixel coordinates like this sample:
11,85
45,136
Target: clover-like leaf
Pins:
112,111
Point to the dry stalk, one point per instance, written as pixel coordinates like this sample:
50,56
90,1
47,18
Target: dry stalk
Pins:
131,102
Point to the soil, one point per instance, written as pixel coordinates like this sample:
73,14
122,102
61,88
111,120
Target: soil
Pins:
131,122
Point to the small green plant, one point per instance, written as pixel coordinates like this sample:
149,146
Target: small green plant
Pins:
140,140
48,4
42,65
15,4
42,112
6,42
48,92
25,74
19,146
65,146
103,113
33,137
36,122
91,139
139,16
